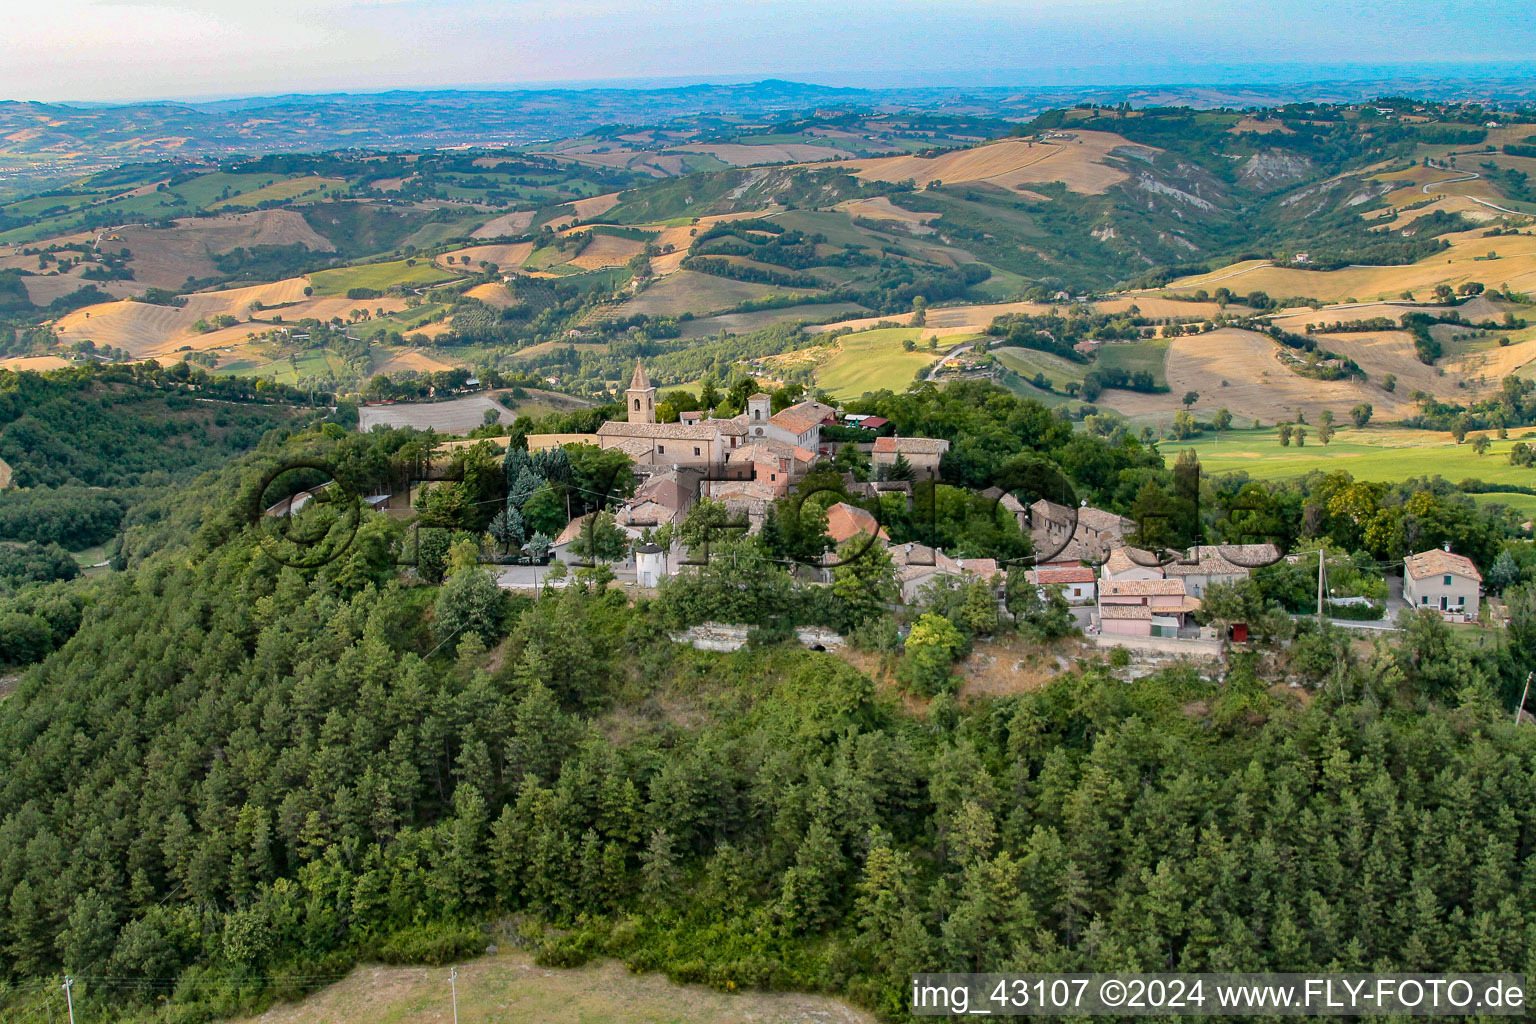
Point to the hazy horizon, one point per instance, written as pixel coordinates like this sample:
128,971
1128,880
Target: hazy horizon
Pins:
115,51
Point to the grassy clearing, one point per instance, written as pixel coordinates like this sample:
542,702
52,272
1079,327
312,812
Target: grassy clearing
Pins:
1150,355
509,989
1525,504
379,276
1371,454
288,189
875,360
1027,362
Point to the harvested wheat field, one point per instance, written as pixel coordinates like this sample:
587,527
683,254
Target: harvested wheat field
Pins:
689,291
1462,262
942,318
455,416
681,236
492,293
148,330
745,156
44,289
1156,306
509,988
507,224
1077,162
1489,367
1257,384
507,257
881,208
411,359
607,251
1381,353
166,257
596,206
33,363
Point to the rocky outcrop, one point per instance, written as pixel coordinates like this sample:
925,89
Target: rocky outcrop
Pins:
720,636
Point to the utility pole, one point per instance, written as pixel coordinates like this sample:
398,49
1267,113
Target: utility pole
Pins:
68,999
453,989
1319,588
1520,708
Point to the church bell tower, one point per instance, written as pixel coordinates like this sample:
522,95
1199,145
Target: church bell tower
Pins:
641,397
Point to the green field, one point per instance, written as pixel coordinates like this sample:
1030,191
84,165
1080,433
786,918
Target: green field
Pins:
1384,454
287,189
379,276
1027,362
874,361
1151,355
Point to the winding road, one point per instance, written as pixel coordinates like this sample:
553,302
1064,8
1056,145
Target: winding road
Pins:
1470,175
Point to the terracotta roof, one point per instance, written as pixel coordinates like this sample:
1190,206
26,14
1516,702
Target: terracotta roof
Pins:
573,529
1047,574
911,445
647,513
1212,560
706,431
1003,498
634,447
845,521
1142,588
1100,521
765,449
1121,560
1078,548
639,382
675,490
802,417
1125,611
1050,511
1435,562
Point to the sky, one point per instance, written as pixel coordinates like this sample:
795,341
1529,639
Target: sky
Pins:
120,50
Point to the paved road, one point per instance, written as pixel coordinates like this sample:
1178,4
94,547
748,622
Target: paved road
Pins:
933,370
1470,175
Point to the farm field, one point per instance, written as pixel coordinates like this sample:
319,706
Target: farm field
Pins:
1075,162
454,416
1464,261
1239,370
1385,454
506,257
461,415
1027,362
288,189
745,323
874,360
1150,355
508,988
689,291
378,276
151,330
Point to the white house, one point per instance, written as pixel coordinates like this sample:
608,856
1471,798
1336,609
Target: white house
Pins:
1446,582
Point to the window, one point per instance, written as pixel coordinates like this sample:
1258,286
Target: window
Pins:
661,449
637,405
695,449
1447,580
1461,599
1424,599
